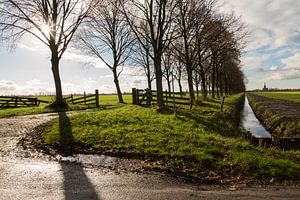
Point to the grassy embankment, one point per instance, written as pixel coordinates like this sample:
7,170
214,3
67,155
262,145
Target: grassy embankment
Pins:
196,141
289,96
105,101
267,111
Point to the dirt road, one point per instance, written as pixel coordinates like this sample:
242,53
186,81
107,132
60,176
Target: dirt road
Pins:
28,174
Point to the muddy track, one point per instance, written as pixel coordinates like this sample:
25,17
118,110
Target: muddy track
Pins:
283,108
26,173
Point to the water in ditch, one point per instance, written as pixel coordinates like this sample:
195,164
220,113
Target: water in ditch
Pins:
250,123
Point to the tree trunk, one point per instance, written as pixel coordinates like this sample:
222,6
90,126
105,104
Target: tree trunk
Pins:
149,96
148,69
59,101
180,87
197,81
191,86
213,78
226,85
218,91
149,78
218,83
159,86
209,88
218,86
169,86
116,80
203,82
221,84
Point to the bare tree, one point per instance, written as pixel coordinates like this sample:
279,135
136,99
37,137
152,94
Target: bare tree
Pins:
107,36
54,23
142,57
188,27
168,68
179,74
212,41
152,21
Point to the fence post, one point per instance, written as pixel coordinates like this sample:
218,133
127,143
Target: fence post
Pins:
222,104
149,96
16,101
166,97
134,96
84,95
97,98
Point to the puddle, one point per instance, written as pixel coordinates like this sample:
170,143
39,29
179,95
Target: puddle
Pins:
250,123
104,161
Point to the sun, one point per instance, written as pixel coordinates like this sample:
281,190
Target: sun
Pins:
46,29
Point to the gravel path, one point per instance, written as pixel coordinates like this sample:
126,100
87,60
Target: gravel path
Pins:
25,174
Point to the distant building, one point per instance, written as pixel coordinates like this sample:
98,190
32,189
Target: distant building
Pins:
265,88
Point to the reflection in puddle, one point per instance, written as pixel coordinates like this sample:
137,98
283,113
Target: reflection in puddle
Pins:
250,123
104,161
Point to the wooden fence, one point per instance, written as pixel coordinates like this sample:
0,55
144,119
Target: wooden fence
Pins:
16,101
92,99
148,97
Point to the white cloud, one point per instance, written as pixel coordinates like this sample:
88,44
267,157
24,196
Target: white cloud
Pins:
7,86
32,87
254,61
24,46
274,28
292,62
290,70
90,81
89,84
271,22
283,74
273,68
74,55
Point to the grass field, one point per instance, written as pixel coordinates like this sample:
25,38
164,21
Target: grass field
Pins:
105,100
113,99
200,140
289,96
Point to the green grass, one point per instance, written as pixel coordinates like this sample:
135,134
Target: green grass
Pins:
10,112
105,101
203,139
113,99
289,96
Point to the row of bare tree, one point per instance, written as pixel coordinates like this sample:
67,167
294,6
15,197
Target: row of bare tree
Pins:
170,39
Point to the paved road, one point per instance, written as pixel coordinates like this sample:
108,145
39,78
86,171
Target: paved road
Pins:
26,174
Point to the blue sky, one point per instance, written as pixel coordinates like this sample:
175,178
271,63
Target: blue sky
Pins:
272,55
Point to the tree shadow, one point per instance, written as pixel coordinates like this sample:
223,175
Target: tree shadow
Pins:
76,184
217,122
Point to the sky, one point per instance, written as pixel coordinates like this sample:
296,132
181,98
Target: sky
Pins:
272,56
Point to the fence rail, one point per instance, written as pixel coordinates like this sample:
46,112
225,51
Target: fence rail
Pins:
146,96
92,99
16,101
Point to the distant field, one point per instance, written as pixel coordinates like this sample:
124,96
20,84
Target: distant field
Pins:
290,96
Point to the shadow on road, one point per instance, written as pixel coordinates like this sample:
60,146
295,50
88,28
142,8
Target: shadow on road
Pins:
76,184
